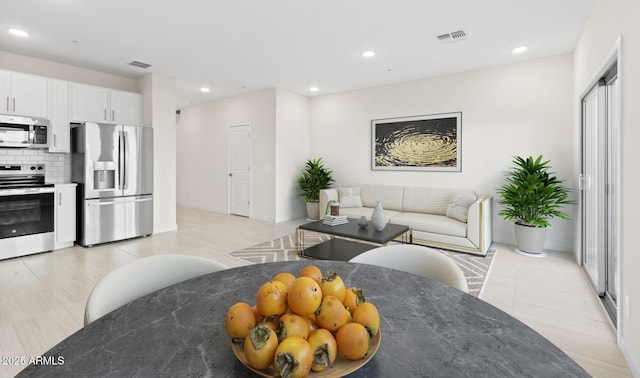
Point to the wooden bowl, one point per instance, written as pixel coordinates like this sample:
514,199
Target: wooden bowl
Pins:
341,366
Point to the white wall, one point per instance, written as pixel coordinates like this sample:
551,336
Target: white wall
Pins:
519,109
608,20
159,113
202,158
280,144
292,150
21,63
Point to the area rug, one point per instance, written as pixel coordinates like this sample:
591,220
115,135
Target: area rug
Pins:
475,268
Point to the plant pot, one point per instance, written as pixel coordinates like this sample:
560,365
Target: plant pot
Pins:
313,210
530,239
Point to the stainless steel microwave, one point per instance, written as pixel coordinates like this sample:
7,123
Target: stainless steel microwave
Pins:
23,132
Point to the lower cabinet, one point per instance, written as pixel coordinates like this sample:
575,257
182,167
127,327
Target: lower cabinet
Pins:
65,215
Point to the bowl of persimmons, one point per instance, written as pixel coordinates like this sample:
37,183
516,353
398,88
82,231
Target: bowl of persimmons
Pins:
304,325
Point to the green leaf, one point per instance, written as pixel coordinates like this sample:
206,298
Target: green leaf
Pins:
314,177
531,195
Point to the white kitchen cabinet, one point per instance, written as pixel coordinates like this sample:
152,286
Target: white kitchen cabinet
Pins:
23,94
97,104
60,130
65,215
89,103
126,108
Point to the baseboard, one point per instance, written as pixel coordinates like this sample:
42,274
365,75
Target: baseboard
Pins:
205,208
631,362
160,230
264,218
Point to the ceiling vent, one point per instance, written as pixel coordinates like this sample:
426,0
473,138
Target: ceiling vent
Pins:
454,36
135,63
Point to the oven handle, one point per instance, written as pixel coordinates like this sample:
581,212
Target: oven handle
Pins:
25,192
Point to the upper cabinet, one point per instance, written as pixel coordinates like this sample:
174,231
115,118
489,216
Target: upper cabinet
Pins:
23,94
62,102
59,130
96,104
126,108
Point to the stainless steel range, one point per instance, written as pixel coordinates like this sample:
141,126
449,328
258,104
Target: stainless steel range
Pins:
26,211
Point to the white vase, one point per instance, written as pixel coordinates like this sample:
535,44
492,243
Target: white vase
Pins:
378,219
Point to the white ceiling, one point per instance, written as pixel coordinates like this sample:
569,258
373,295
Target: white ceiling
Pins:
239,46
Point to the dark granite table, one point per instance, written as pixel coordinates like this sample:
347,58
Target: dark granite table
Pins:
428,330
344,250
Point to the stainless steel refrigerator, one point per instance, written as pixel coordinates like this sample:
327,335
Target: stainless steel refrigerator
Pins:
113,166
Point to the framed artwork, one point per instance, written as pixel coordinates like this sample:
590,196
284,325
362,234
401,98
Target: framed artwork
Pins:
419,143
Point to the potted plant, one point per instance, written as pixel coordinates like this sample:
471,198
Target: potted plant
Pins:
314,177
531,196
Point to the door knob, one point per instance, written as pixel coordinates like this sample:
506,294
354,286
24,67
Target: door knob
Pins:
230,174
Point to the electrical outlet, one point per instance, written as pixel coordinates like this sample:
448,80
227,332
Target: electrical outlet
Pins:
627,306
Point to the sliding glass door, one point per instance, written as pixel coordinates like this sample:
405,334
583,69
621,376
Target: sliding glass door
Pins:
599,185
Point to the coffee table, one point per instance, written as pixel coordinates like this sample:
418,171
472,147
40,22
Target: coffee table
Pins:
343,249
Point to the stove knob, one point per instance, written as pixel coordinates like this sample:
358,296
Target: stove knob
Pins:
39,167
33,167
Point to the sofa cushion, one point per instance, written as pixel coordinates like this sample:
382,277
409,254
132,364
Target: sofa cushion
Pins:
349,197
389,195
458,208
426,200
437,224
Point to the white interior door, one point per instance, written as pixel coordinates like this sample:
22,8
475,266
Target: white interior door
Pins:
240,170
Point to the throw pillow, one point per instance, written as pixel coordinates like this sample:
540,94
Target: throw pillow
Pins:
349,197
458,208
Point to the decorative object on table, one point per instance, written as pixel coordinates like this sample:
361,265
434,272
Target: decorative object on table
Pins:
378,218
531,195
314,177
363,222
418,143
333,208
357,330
340,367
335,220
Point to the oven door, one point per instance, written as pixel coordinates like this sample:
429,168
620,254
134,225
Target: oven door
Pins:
26,221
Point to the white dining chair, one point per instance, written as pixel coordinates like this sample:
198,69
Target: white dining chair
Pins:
141,277
419,260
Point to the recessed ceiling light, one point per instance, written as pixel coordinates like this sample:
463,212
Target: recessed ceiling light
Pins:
369,54
205,90
18,32
519,50
313,89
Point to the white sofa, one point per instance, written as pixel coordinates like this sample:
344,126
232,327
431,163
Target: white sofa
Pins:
437,217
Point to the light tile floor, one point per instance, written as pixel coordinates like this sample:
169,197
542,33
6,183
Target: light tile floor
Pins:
42,296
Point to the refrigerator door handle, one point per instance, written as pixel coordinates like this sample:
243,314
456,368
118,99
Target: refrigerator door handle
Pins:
125,160
121,163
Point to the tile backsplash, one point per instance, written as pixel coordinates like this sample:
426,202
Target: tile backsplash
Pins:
55,164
